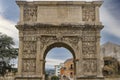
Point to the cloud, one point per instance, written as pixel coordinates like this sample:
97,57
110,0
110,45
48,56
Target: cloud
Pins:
14,62
50,63
8,27
60,53
53,61
1,9
110,22
60,0
56,56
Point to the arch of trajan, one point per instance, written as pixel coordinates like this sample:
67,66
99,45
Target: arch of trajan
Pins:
74,25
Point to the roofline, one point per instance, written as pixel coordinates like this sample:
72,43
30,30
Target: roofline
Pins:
20,2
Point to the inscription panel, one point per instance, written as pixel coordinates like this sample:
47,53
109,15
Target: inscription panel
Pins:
59,14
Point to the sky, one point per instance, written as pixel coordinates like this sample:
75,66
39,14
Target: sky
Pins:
109,16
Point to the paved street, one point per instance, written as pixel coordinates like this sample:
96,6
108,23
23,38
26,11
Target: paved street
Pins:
112,79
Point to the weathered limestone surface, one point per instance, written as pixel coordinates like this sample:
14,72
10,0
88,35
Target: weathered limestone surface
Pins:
74,25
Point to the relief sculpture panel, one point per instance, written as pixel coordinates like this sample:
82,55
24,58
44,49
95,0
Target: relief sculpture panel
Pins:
29,65
88,12
89,52
30,13
89,44
29,49
90,67
89,49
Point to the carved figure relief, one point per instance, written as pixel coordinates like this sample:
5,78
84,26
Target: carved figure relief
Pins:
90,67
29,65
89,44
30,13
29,49
89,49
88,12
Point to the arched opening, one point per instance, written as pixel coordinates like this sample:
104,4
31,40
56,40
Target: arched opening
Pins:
59,59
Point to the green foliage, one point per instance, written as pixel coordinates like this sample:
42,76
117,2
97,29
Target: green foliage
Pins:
6,47
54,78
7,52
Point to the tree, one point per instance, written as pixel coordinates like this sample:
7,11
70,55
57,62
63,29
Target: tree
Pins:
6,48
54,78
7,52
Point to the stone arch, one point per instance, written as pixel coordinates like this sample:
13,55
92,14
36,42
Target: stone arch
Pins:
78,30
59,44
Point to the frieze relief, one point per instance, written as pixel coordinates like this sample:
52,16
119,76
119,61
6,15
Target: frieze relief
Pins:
86,38
88,12
29,33
64,31
30,13
89,33
28,65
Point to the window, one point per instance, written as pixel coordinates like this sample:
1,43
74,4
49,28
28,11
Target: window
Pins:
71,66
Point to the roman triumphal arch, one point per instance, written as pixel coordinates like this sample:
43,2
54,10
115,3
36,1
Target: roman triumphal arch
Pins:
74,25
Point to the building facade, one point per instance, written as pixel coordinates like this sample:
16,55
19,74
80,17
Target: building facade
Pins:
68,70
57,70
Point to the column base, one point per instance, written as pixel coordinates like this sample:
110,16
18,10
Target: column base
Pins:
90,78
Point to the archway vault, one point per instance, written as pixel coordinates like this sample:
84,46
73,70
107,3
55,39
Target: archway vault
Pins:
59,44
74,25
